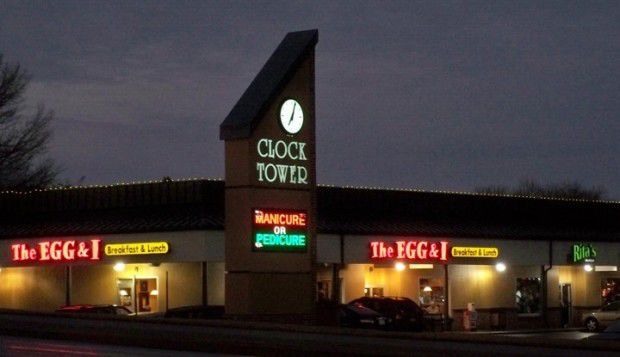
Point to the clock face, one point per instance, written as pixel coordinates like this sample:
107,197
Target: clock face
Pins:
291,116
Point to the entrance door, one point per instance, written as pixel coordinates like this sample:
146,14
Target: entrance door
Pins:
323,290
146,295
566,304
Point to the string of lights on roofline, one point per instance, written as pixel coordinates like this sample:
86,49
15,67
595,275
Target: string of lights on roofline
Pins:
447,192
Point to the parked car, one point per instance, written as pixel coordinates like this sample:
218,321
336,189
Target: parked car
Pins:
357,315
402,312
96,309
602,317
196,312
612,332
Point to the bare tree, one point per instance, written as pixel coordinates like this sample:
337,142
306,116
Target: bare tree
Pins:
23,138
532,188
493,190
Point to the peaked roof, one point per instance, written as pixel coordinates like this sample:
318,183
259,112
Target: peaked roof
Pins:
280,67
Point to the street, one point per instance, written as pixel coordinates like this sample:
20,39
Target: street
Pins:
21,346
51,335
298,343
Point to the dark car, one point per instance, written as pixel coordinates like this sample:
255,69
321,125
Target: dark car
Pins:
357,315
196,312
403,312
96,309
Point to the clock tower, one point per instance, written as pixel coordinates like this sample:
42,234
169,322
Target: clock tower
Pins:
271,188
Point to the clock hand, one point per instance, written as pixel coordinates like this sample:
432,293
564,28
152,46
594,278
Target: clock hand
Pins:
292,113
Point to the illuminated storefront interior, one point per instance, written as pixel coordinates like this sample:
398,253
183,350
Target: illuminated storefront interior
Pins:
150,288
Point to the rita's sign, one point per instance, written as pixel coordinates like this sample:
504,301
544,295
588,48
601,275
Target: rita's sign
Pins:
57,251
412,250
582,253
279,230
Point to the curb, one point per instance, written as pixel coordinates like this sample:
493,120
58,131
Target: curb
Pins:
527,332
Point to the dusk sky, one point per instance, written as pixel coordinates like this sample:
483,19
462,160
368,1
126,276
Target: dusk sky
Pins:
428,95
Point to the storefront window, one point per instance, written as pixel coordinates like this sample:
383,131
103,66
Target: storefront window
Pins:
528,295
125,293
373,292
610,290
431,295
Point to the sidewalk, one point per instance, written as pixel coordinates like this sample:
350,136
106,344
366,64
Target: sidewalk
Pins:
523,332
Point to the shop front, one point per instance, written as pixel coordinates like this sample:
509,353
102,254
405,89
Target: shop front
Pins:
146,273
509,283
512,280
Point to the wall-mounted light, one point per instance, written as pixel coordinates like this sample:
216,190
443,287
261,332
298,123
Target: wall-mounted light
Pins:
120,266
399,266
154,292
123,292
427,289
500,267
588,268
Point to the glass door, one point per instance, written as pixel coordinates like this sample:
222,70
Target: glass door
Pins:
566,304
147,295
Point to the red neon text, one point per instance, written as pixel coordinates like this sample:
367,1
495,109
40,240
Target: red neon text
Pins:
280,218
57,250
410,250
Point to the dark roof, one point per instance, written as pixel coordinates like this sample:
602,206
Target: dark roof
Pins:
145,207
278,70
397,212
199,205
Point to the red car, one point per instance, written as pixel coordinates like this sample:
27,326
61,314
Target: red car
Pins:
96,309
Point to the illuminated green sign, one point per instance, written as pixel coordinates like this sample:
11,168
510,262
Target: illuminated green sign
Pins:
279,230
582,253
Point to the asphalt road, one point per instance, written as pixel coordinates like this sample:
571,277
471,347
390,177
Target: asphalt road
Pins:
48,334
20,346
